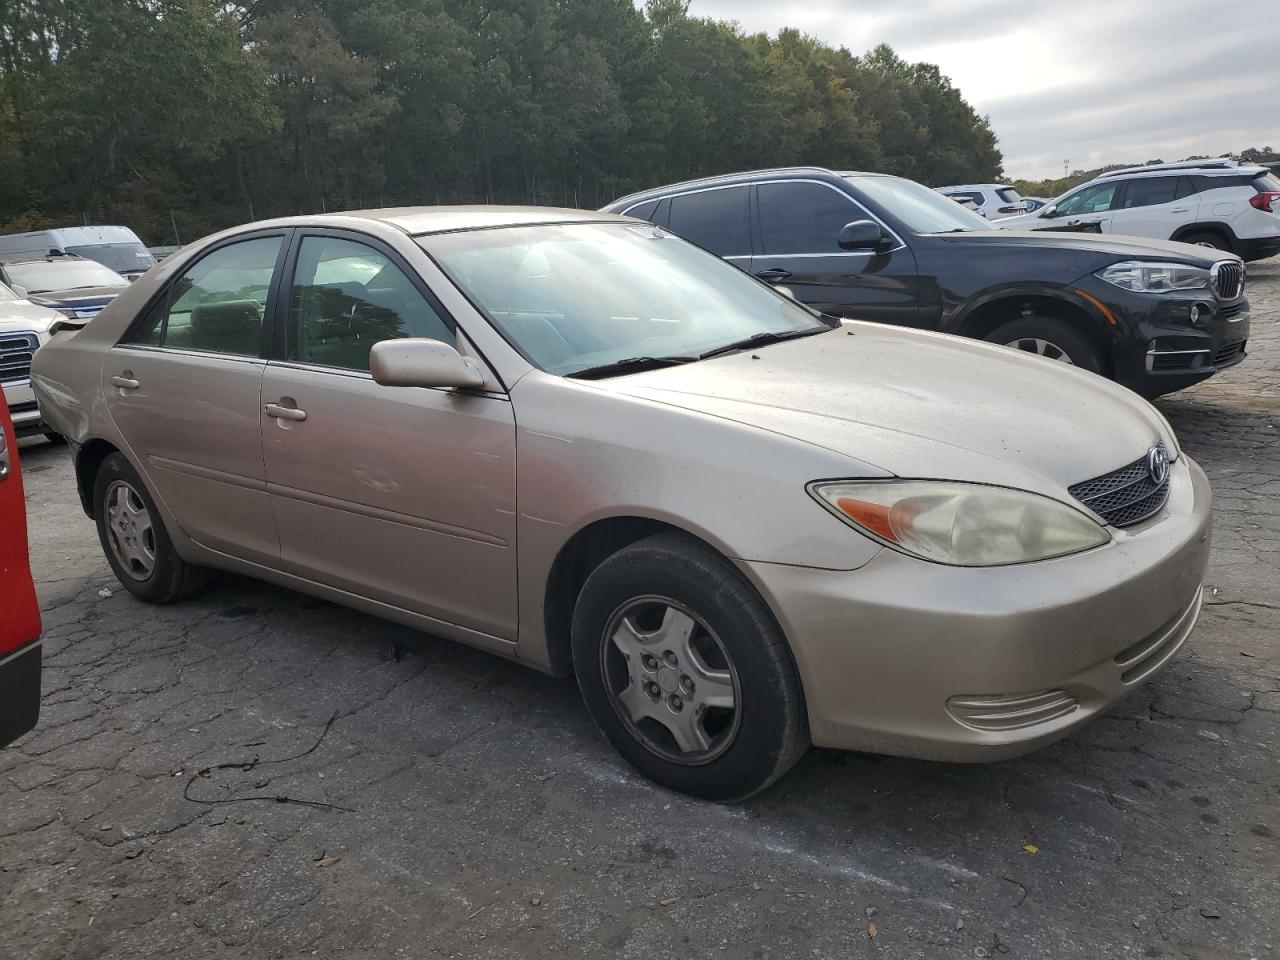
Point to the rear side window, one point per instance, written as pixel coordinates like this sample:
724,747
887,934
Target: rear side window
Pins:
347,296
1149,191
977,198
1267,183
643,211
798,217
1008,195
218,304
713,219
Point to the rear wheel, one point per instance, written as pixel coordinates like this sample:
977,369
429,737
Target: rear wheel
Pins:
1050,338
686,672
1208,238
134,538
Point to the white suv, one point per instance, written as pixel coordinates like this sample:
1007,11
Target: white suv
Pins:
991,200
1214,203
24,328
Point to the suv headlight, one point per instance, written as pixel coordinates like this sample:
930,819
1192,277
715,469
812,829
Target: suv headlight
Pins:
961,524
1143,277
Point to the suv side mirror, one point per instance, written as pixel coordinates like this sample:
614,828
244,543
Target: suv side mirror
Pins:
863,235
413,362
1050,211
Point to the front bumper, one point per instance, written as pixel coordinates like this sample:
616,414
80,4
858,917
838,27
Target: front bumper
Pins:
23,409
19,692
1157,349
919,659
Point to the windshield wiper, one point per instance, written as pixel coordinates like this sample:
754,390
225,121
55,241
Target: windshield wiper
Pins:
763,340
629,365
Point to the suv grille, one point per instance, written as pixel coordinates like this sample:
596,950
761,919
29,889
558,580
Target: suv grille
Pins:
1123,497
16,350
1228,279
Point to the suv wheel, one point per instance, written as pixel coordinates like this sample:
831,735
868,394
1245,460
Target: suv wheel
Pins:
1049,338
685,670
134,538
1208,238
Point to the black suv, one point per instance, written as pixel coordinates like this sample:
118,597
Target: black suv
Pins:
1153,315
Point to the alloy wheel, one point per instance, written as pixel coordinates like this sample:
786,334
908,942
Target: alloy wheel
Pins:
130,531
1042,348
671,680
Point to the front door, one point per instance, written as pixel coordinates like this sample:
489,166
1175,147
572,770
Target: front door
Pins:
399,494
1088,210
183,386
799,223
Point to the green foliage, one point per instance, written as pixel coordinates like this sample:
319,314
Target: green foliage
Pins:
213,112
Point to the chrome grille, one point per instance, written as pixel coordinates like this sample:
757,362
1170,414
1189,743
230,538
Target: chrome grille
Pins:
1228,279
16,351
1123,497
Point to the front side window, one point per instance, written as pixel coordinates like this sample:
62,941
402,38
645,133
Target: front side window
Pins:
572,297
1150,191
219,303
713,219
798,217
1094,199
346,296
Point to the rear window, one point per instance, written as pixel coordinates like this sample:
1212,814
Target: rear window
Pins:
1267,183
1008,195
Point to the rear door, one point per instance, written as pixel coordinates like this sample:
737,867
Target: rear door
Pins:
402,495
184,387
1153,207
799,223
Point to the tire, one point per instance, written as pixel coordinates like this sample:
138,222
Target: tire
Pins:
1050,338
1207,238
650,593
139,549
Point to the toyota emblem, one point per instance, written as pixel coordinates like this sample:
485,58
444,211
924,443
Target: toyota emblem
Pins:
1158,464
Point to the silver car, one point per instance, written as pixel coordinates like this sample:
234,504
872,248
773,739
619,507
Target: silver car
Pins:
579,442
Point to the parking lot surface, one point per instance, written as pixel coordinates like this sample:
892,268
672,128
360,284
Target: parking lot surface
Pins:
477,813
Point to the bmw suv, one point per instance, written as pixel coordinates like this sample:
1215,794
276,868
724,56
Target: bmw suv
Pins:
1213,203
1153,315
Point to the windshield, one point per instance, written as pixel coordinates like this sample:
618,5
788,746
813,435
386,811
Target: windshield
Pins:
121,257
572,297
921,209
41,276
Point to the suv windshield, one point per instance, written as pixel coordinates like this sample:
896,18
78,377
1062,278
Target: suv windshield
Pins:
921,209
121,257
573,297
41,276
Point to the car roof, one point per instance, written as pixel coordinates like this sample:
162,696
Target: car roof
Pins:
417,221
744,176
61,258
976,186
1220,166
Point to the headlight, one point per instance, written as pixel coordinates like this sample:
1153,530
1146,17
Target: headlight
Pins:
1143,277
962,524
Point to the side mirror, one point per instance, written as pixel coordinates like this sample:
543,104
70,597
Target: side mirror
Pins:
785,291
863,235
19,290
1050,211
422,363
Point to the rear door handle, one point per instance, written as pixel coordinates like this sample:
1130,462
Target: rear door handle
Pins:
773,274
1180,210
125,383
284,413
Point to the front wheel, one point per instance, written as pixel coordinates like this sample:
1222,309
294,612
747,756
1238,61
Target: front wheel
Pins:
134,538
1049,338
685,670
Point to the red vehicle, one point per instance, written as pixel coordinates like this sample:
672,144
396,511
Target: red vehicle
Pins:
19,612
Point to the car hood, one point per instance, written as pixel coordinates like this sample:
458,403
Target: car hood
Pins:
1133,248
77,295
921,405
22,315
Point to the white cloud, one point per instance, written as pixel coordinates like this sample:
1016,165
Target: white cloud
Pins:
1093,81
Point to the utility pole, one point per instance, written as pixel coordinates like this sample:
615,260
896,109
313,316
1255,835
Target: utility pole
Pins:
1065,165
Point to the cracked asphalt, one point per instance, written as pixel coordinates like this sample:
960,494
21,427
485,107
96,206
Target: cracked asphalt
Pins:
487,818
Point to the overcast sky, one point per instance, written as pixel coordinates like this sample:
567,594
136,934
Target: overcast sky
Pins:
1090,81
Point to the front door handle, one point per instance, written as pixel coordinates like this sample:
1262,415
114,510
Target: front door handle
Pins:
284,413
773,274
1180,210
125,382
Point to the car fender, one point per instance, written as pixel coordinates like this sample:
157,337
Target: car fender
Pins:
957,321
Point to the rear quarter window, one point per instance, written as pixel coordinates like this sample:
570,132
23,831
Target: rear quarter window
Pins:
1009,195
